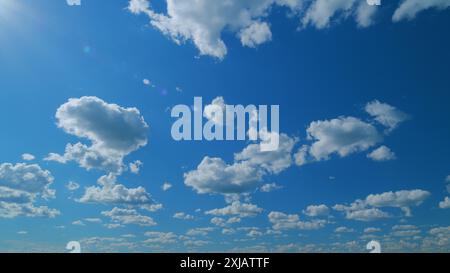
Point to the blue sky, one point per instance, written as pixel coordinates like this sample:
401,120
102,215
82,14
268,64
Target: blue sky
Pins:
369,85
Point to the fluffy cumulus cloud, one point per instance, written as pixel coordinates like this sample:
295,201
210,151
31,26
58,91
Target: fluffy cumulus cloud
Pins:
215,111
369,208
183,216
214,175
316,210
255,34
129,217
400,199
113,132
21,185
386,114
342,136
72,186
445,204
73,2
322,12
28,157
408,9
135,166
282,221
109,191
382,153
405,231
204,21
237,208
371,214
166,186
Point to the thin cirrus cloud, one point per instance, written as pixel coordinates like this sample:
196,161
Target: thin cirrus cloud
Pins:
203,22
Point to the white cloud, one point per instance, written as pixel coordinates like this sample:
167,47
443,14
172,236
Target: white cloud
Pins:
111,192
347,135
78,223
138,6
367,215
228,231
371,230
113,131
129,217
405,230
237,208
270,187
28,157
221,222
215,111
93,220
20,186
166,186
316,210
368,209
385,114
199,231
73,2
135,166
214,175
404,198
409,8
72,186
344,230
342,136
321,12
382,153
204,21
445,204
254,233
255,34
301,156
183,216
282,221
160,237
365,15
218,221
440,231
272,162
146,82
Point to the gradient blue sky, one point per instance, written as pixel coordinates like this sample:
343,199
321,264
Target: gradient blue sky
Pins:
51,52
